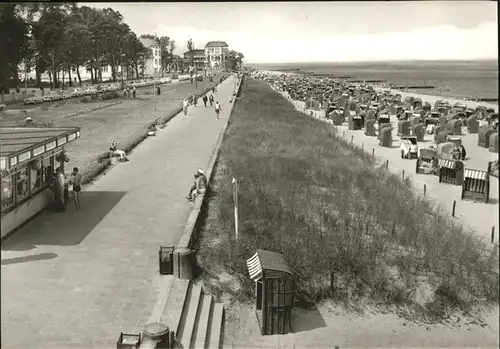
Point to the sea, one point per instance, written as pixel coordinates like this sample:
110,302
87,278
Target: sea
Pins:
457,79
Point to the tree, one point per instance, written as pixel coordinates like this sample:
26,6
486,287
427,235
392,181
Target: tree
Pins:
136,52
49,36
165,53
234,60
13,45
77,42
190,47
172,56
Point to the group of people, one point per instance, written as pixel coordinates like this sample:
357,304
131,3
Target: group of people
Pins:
211,99
459,153
61,188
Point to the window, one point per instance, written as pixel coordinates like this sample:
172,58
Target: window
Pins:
104,69
48,170
22,187
36,175
7,194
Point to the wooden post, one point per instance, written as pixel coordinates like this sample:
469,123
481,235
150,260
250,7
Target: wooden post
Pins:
403,175
363,146
492,234
373,154
454,206
352,139
387,164
235,199
425,189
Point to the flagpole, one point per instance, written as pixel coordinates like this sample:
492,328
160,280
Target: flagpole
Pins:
235,199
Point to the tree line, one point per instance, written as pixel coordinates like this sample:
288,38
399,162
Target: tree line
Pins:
58,38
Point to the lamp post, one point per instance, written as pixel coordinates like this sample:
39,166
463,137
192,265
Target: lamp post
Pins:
121,68
154,88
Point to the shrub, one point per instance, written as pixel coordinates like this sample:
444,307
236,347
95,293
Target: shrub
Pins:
310,195
86,99
128,146
110,95
95,170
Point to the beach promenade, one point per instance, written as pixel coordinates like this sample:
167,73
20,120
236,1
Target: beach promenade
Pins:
79,278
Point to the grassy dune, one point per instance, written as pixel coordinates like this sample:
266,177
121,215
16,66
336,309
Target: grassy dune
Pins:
351,232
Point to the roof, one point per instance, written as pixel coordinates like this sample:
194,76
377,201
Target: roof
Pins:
264,260
149,42
476,174
194,53
15,140
216,44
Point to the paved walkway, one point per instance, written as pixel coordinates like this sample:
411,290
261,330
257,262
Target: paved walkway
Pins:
77,279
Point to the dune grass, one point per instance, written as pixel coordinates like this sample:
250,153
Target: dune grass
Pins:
349,230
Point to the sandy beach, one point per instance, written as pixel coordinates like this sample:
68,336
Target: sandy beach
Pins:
478,217
433,98
328,324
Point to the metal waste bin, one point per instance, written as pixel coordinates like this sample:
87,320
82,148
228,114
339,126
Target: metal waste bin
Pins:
184,260
166,260
156,335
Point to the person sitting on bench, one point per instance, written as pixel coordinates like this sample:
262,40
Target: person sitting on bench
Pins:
199,186
122,156
152,130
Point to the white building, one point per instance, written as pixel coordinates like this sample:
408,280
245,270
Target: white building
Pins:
152,63
84,74
216,53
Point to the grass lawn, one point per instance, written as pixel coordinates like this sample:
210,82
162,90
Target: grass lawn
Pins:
338,220
123,122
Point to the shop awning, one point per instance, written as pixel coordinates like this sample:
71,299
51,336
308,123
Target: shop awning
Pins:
19,144
476,174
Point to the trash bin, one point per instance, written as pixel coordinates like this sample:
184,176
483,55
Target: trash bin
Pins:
166,260
184,263
158,91
157,335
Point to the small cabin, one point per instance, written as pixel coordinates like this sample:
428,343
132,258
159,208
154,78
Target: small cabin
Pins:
274,291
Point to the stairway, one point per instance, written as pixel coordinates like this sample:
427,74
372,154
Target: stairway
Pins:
194,316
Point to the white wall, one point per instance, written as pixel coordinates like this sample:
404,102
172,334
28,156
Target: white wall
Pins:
25,211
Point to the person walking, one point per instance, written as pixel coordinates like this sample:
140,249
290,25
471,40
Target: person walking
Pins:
59,190
185,105
211,99
76,181
205,100
133,92
195,100
218,109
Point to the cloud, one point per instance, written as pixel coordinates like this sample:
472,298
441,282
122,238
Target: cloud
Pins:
274,44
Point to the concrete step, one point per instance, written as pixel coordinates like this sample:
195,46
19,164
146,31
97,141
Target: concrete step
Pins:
214,337
201,328
175,304
190,316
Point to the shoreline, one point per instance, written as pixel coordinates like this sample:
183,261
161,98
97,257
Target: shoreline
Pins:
431,98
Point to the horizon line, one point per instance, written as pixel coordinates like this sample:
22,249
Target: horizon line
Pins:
377,61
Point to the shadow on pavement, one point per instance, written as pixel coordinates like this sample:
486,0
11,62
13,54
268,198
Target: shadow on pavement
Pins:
67,228
32,258
306,319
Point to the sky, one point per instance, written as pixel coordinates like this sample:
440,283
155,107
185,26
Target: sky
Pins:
325,31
